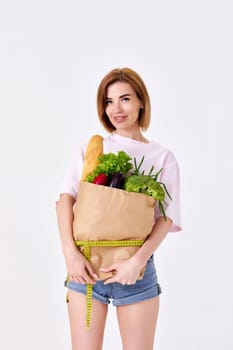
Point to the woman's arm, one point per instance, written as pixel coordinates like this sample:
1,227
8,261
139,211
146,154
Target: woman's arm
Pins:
78,268
158,233
65,216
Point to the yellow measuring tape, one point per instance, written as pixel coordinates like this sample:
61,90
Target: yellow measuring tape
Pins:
86,251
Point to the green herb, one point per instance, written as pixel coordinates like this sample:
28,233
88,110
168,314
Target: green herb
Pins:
147,184
110,164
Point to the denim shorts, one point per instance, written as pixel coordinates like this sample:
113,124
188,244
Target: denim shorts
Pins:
146,288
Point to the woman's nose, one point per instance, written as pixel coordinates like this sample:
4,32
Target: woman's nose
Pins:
117,107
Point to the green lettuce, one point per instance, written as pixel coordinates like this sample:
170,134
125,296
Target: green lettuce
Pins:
111,163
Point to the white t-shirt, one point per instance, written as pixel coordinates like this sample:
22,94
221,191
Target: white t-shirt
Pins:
154,154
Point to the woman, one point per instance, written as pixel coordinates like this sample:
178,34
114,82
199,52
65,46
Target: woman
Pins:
124,110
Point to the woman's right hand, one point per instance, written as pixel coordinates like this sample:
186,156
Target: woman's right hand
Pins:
78,268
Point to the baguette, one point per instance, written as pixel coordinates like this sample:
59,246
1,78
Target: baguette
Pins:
94,150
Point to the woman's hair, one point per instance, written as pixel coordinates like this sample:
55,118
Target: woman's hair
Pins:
129,76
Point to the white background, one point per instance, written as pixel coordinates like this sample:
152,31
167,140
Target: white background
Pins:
53,56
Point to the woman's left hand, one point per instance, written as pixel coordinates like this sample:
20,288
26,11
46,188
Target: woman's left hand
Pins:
125,272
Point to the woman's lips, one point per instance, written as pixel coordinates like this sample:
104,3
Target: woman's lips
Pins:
120,118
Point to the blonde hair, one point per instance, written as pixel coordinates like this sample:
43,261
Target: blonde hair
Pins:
129,76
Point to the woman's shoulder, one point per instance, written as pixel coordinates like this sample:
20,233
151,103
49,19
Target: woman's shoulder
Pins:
160,149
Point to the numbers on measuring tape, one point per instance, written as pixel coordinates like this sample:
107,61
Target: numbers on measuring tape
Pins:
87,244
89,305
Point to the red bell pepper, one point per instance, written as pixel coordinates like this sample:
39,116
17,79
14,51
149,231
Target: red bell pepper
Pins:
100,179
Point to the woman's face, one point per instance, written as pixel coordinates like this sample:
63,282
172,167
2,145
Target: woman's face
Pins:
122,106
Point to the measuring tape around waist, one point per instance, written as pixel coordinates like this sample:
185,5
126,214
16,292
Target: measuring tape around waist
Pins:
86,251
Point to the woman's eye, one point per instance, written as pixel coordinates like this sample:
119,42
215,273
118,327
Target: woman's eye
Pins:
108,102
125,99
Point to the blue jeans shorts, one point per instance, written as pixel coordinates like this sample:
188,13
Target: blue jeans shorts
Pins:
146,288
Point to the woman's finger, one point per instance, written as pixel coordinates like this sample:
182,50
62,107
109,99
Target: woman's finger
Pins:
109,268
88,279
77,279
81,280
90,271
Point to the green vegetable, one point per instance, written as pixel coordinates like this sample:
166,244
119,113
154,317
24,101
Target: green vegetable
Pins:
136,183
147,184
155,190
110,164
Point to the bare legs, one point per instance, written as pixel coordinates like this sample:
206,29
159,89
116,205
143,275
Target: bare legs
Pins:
83,338
137,323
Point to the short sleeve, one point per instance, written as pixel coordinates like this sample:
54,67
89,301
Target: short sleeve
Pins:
170,176
73,173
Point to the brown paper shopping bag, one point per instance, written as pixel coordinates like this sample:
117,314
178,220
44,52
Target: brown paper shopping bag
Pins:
109,214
